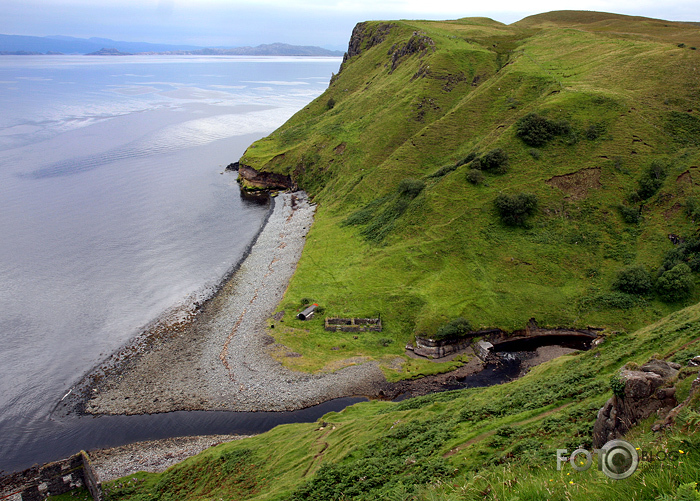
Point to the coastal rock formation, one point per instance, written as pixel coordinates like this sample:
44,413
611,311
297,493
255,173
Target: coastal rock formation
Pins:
250,179
646,391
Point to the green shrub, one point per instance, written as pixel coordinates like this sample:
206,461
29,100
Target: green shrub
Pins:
595,131
633,280
675,284
692,209
469,158
442,171
495,160
514,209
651,181
673,257
475,176
410,187
630,215
534,153
687,252
536,130
617,385
384,341
330,104
454,329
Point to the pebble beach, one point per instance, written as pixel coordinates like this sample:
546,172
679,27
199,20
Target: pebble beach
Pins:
218,361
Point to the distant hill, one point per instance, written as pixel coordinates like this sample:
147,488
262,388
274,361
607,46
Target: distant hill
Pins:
275,49
71,45
108,52
29,45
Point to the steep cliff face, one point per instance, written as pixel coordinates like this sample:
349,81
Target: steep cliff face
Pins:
365,36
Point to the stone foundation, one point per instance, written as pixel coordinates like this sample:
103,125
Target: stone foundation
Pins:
53,479
353,324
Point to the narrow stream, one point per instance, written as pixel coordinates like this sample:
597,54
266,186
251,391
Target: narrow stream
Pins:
88,432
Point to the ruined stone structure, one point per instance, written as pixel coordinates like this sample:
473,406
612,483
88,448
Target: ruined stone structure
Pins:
354,324
507,341
60,477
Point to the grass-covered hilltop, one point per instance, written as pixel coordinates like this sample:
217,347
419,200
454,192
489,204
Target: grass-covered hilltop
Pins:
472,175
497,173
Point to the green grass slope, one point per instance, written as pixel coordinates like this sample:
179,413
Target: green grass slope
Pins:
494,443
406,225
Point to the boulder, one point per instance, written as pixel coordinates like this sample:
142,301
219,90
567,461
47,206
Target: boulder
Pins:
667,370
646,391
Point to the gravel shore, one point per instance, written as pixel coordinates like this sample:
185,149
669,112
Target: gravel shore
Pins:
218,360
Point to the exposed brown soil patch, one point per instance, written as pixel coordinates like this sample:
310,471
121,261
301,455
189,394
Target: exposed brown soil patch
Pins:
685,178
577,184
668,214
338,150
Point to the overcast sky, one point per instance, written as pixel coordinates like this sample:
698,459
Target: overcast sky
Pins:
326,23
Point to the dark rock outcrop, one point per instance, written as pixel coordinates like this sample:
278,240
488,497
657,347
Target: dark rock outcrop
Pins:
364,37
646,391
419,43
251,180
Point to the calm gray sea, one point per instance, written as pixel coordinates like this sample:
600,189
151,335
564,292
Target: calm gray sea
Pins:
114,210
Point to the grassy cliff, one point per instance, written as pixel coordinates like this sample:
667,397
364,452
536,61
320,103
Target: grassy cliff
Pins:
497,173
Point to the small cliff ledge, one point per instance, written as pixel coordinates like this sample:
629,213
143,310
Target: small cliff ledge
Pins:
253,180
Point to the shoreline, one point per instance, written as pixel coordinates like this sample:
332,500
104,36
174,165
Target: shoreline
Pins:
217,358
